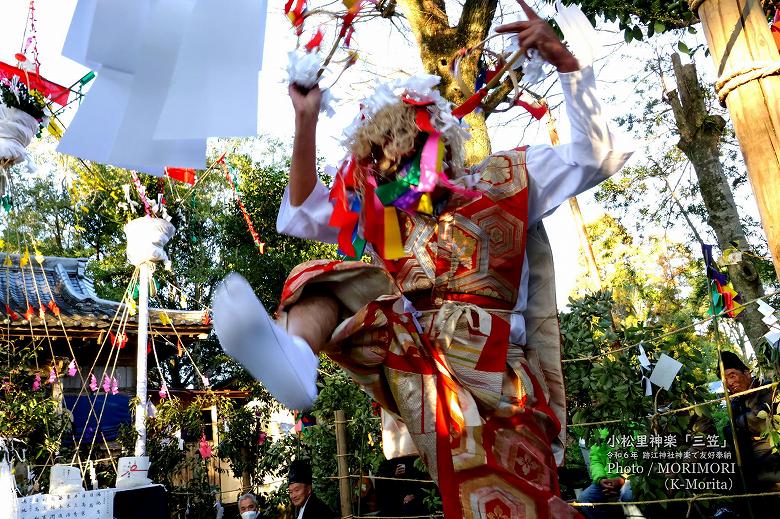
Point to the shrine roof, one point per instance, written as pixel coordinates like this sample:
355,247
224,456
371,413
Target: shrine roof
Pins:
65,281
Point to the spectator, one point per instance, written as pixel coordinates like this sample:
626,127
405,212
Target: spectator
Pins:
398,497
299,484
247,506
606,486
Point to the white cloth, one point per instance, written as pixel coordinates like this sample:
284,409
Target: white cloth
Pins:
555,173
146,238
17,129
8,508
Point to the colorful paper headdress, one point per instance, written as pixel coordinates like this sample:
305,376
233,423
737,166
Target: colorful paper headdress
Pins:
365,208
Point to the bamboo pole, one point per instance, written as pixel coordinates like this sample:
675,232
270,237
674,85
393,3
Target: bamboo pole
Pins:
747,62
341,458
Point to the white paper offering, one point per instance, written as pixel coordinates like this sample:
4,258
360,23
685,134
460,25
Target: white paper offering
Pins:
162,70
77,40
764,308
215,81
665,370
772,337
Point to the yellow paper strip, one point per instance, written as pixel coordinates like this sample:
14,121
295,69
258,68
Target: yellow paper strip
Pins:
394,249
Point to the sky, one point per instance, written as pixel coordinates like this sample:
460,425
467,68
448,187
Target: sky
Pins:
384,51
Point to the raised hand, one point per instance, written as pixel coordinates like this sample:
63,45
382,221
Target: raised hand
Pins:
306,102
535,33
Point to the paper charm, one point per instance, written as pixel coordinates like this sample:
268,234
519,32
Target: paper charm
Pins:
536,107
205,380
643,360
764,308
163,391
773,338
25,258
773,335
164,319
11,314
647,385
54,308
37,382
93,385
30,313
205,448
177,435
92,475
151,410
665,370
114,386
52,376
106,383
72,368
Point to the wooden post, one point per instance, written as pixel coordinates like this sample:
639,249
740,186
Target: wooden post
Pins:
747,62
341,458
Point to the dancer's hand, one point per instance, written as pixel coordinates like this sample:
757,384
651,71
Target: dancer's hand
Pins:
535,33
306,102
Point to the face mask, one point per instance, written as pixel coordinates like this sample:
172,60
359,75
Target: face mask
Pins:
249,514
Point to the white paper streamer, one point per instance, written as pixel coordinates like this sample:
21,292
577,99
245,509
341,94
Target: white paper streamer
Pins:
578,33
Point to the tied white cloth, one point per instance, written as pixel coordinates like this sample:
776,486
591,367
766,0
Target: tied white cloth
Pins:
17,129
146,238
449,315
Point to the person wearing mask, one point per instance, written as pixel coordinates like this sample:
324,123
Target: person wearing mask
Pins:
247,506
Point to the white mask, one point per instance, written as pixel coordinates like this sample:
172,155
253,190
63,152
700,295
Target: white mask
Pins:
249,514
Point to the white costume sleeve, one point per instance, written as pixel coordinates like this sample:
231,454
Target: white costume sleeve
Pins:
310,219
556,173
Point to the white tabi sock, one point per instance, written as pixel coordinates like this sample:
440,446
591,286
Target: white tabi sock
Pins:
284,363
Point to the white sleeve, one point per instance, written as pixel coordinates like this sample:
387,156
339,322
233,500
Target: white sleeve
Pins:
310,219
556,173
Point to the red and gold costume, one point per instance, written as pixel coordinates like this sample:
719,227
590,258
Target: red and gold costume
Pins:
472,402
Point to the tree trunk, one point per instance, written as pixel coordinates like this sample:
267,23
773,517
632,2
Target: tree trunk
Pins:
743,49
438,44
700,137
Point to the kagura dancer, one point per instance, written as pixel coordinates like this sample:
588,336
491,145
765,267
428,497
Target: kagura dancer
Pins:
438,328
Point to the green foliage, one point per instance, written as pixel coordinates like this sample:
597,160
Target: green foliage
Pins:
32,417
316,443
609,386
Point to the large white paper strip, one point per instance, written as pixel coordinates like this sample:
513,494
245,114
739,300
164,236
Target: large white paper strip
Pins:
162,67
665,370
93,504
94,128
77,40
134,147
117,32
210,90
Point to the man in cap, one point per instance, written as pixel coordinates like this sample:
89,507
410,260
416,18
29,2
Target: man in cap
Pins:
301,495
761,466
